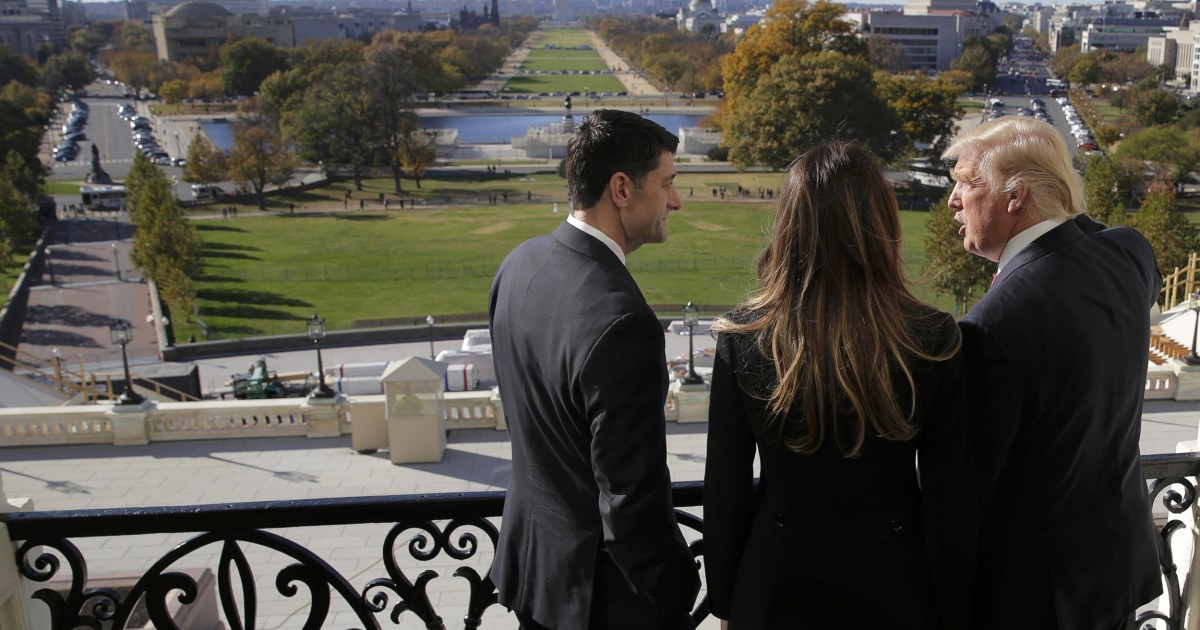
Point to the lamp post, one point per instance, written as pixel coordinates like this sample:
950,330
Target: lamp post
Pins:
116,261
691,317
121,334
429,320
50,267
316,332
1194,305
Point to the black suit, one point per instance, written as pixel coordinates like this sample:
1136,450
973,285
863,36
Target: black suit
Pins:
835,542
1056,359
580,362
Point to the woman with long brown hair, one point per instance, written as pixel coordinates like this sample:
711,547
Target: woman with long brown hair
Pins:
841,380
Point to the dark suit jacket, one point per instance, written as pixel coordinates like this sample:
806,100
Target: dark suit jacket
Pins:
580,362
830,541
1056,360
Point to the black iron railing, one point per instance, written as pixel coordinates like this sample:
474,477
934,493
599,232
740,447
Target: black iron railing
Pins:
423,526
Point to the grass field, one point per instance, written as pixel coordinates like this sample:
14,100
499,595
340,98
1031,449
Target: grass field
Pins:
265,275
550,60
562,38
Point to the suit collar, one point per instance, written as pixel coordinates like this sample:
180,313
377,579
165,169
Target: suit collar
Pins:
586,244
1045,244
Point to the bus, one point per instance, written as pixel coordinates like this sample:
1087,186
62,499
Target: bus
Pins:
103,198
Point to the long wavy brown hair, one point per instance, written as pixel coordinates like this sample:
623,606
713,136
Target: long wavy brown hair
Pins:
832,311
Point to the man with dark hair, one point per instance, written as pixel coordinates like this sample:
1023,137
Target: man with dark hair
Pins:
589,537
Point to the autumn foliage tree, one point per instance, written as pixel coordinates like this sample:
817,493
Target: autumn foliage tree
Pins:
166,248
952,270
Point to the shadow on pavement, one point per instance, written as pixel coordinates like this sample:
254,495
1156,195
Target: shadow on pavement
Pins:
65,315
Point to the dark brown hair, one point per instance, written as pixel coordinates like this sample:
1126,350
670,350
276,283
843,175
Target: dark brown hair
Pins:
832,311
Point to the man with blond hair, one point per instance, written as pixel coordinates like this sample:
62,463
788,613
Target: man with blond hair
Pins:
1056,361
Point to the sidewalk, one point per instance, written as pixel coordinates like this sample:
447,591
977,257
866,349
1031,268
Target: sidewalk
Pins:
72,304
634,82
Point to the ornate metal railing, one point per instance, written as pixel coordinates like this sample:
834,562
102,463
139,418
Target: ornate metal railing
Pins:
423,527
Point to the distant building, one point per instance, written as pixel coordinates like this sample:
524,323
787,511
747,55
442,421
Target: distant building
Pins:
1174,49
928,42
197,29
1122,34
699,16
239,7
25,27
739,22
360,24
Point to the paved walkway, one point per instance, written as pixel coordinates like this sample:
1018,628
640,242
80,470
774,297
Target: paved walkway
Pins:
635,83
88,283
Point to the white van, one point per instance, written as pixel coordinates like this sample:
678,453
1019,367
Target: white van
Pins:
206,191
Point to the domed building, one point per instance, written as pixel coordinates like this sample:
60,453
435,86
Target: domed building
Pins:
196,29
698,15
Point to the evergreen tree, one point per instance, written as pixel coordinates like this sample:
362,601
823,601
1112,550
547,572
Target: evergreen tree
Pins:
1102,192
1170,234
953,270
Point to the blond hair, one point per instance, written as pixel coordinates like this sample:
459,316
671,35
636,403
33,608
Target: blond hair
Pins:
1017,151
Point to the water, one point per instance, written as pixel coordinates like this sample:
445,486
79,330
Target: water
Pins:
475,128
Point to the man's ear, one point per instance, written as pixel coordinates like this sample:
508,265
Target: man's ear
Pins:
1018,200
620,189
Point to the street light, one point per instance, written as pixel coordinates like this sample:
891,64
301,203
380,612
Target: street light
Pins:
50,267
121,334
691,317
116,261
316,332
1194,305
429,320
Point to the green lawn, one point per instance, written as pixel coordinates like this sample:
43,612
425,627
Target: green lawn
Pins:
571,60
566,83
265,275
563,38
63,187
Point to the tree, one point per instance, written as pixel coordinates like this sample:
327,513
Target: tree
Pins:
68,70
19,219
260,154
979,61
1152,105
247,61
419,153
1101,188
173,91
791,28
954,271
165,246
397,69
135,36
805,99
14,67
205,162
927,108
1170,234
1170,152
334,125
1085,71
10,237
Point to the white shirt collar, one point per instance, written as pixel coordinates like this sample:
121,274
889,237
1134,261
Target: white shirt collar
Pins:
600,236
1020,241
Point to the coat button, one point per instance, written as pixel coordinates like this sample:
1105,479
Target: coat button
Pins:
781,519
